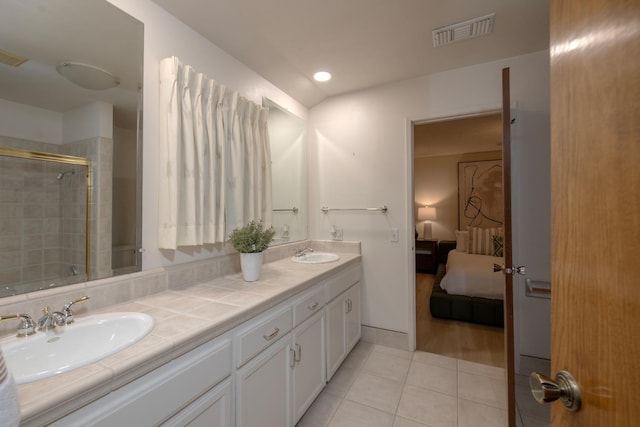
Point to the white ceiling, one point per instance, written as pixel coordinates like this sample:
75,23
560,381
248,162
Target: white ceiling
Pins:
363,43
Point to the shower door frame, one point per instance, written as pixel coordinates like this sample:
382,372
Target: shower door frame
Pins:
68,160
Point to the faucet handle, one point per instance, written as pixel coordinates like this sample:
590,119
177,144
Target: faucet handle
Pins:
66,310
303,251
27,325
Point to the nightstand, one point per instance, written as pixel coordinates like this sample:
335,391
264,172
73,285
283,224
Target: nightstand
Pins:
426,251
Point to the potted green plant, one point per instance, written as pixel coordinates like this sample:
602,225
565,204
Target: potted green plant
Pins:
251,240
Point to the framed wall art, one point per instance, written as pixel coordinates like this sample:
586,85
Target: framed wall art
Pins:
480,194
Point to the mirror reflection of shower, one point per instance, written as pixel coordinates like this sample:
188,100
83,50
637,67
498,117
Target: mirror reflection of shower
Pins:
47,227
62,174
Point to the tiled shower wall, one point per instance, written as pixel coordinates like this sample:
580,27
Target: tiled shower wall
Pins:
30,244
42,219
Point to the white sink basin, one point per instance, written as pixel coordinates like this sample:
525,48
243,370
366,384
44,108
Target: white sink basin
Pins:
85,341
316,258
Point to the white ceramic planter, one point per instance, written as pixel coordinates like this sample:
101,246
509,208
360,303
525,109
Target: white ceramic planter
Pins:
251,265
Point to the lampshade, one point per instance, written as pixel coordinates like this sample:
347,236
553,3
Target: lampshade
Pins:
427,213
87,76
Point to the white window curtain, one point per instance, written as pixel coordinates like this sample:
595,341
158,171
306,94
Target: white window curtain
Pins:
215,159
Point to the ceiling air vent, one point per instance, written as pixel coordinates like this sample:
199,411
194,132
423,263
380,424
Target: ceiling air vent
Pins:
11,59
463,30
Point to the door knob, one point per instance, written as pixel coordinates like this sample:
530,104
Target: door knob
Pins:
564,387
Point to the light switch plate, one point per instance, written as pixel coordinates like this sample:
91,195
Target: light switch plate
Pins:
394,235
337,233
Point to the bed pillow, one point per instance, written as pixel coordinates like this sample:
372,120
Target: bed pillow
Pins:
481,239
462,241
498,246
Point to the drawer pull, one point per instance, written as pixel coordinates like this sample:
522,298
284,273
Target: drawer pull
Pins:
272,335
313,306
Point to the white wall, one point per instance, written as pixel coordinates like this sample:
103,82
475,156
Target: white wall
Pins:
88,121
166,36
38,124
31,123
360,157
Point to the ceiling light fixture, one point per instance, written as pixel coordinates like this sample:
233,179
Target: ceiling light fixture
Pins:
322,76
87,76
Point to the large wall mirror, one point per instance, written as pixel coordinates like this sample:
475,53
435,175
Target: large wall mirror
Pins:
288,142
70,143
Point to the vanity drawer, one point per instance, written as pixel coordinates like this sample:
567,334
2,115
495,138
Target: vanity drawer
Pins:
309,303
160,394
260,334
342,281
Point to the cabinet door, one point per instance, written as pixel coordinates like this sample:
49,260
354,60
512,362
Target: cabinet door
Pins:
336,339
263,388
211,409
309,370
353,323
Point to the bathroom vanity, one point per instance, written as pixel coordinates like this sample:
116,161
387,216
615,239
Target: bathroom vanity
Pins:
222,353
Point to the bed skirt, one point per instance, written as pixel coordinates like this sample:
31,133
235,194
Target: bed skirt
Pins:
461,307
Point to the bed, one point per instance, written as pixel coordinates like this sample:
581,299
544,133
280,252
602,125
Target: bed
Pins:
466,287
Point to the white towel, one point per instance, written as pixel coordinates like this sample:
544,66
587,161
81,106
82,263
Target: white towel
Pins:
9,407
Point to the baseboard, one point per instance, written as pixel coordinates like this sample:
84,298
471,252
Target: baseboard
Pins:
399,340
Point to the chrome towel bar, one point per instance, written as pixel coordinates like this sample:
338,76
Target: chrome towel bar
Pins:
293,209
382,209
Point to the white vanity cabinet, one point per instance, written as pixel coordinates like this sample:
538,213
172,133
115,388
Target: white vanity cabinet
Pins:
262,358
265,372
275,387
184,390
353,319
343,316
283,355
263,388
308,351
214,408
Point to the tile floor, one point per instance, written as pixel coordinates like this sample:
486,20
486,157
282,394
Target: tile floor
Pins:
386,387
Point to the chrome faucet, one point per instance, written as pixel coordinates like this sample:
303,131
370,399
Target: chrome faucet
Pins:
51,320
303,251
27,325
58,318
66,310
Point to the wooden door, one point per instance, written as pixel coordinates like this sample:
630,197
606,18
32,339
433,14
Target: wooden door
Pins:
595,197
508,258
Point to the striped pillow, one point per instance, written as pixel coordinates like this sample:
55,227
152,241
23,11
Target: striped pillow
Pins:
481,239
462,241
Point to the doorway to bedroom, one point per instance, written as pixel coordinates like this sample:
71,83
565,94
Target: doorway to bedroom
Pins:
443,150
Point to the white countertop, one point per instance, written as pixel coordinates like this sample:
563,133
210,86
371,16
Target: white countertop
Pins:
184,319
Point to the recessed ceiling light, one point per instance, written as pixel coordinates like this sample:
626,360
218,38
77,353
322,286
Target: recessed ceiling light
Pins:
322,76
